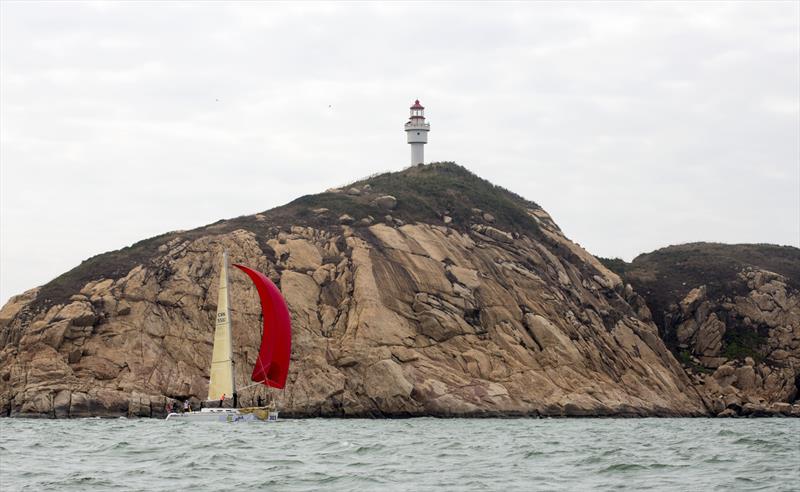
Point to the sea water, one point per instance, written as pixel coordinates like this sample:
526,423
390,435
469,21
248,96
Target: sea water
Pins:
413,454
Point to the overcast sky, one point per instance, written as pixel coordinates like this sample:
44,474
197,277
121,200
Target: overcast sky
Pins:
635,125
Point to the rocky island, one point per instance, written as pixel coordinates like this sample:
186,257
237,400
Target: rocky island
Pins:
730,314
428,291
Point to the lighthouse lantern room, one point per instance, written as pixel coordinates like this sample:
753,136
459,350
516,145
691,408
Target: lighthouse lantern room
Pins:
417,131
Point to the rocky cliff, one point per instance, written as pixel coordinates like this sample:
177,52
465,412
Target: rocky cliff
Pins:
424,292
731,315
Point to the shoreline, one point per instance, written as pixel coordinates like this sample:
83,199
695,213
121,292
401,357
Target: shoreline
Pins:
759,414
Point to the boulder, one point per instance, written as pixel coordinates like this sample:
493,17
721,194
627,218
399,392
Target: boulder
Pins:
440,325
386,202
494,233
756,410
385,382
717,405
692,299
80,313
783,408
713,362
61,404
80,406
15,305
745,378
709,337
405,354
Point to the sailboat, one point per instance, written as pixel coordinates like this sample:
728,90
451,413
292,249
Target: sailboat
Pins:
272,364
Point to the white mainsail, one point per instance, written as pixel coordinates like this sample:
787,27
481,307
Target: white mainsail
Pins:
222,356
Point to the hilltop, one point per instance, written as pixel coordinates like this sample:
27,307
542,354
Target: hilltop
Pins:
426,194
666,275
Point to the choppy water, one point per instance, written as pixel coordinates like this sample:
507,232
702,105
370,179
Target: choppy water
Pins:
414,454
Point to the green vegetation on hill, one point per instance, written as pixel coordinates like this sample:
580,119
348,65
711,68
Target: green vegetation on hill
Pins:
424,194
616,265
741,342
665,276
427,191
114,264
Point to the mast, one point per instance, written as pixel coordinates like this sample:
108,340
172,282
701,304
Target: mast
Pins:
222,356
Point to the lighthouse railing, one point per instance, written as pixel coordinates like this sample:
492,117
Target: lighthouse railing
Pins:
412,124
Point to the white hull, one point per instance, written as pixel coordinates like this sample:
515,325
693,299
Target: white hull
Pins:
224,415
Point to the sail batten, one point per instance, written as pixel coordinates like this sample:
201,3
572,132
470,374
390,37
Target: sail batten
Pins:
272,365
222,382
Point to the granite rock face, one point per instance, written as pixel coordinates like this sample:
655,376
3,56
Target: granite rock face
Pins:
413,320
390,319
761,361
731,315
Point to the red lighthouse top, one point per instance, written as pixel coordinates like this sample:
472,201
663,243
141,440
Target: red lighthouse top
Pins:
417,105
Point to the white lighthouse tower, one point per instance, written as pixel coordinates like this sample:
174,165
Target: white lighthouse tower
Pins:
417,131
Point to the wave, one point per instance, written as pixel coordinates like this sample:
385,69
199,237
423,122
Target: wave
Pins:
413,454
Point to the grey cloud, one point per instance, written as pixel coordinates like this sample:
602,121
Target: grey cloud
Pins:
635,125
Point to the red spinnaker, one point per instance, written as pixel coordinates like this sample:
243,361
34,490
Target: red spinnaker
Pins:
272,365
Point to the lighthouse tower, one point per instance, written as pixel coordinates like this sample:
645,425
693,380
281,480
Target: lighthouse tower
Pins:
417,132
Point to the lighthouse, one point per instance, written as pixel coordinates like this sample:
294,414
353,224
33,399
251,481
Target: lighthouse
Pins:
417,132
